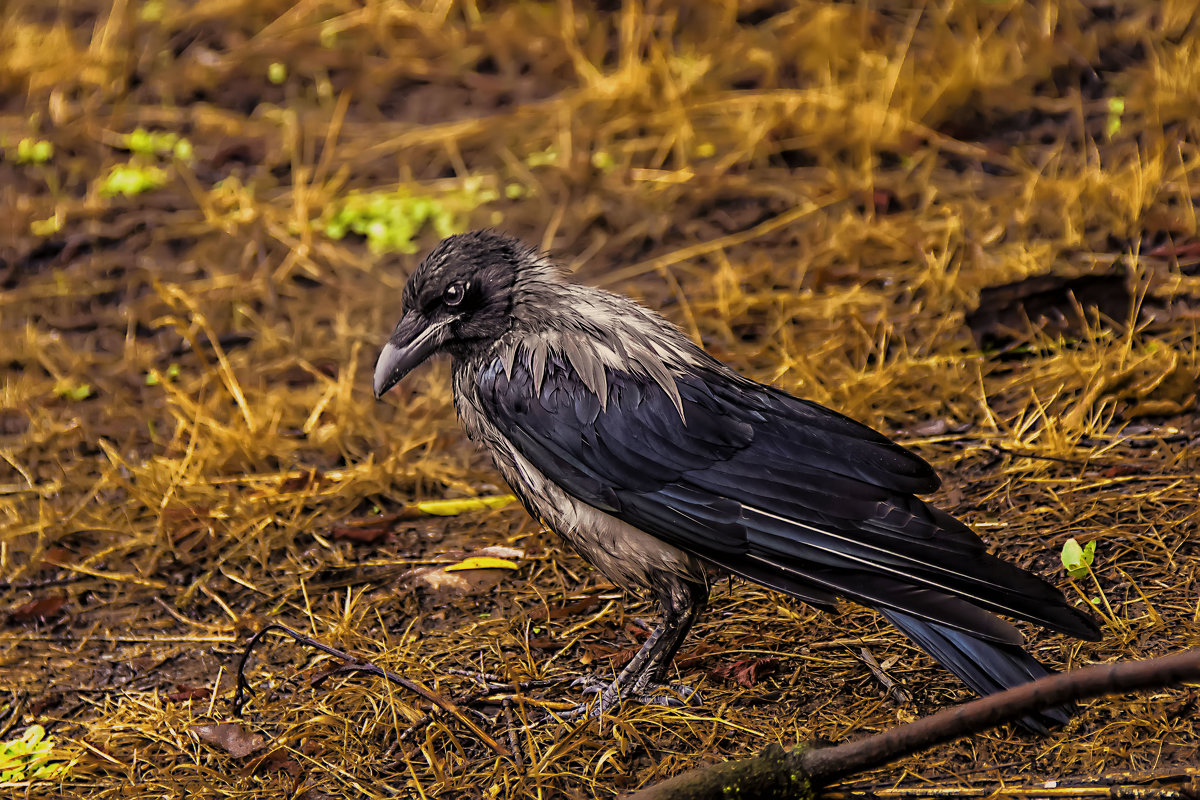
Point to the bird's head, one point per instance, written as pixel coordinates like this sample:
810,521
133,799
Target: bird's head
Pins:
459,298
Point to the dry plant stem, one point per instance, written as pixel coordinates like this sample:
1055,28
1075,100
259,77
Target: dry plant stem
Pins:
513,744
13,715
779,773
1112,615
25,586
890,686
485,694
354,665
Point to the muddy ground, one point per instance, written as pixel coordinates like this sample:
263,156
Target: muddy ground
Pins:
971,225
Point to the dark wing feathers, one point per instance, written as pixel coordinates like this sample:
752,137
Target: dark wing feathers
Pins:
770,487
987,667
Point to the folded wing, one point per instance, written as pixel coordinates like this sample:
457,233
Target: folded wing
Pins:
773,488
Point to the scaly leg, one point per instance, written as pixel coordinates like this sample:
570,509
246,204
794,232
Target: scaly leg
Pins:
682,602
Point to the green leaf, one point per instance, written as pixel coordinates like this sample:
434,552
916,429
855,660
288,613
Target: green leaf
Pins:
390,221
72,391
1077,560
30,757
130,179
139,141
34,151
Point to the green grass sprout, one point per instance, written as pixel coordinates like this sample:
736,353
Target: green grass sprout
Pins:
1078,560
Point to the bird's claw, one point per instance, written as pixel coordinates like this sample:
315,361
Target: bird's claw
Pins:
611,695
672,697
589,684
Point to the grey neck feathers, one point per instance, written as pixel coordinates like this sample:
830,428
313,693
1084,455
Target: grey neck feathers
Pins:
596,331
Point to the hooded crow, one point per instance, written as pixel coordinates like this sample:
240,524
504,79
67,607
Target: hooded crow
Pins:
665,468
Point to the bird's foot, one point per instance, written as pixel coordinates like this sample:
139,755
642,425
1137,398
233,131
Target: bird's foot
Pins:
661,694
611,695
589,684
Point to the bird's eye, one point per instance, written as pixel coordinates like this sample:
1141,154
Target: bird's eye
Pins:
454,294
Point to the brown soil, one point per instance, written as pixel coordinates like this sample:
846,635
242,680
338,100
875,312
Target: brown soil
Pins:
822,193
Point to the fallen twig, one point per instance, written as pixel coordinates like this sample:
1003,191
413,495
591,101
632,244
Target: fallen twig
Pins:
779,773
355,665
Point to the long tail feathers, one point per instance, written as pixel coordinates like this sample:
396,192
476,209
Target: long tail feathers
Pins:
987,667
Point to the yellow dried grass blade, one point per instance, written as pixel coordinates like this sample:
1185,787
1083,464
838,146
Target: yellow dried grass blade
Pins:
450,508
481,562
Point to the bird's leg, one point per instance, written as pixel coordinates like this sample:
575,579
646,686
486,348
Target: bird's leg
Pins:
681,602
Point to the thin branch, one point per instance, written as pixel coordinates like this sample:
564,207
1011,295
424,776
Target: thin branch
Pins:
355,665
829,763
776,773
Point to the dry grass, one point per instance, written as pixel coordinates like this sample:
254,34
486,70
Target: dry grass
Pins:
818,192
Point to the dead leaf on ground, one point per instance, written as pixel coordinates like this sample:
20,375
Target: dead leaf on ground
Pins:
696,655
302,482
1175,250
597,651
748,672
636,629
184,693
231,737
277,761
574,609
373,534
475,573
39,610
54,558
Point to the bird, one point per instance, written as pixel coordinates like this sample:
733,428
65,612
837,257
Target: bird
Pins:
666,469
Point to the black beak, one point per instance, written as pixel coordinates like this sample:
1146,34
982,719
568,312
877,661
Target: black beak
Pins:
413,341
